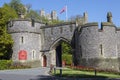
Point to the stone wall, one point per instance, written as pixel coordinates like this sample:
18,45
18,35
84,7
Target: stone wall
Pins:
53,34
109,41
89,40
92,46
27,37
98,47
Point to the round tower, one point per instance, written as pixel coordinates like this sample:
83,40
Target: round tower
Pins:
85,17
54,15
88,44
27,40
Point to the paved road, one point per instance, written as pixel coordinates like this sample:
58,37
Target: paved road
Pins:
24,74
36,74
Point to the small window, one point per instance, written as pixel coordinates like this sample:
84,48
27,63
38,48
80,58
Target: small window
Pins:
22,41
33,23
33,54
101,49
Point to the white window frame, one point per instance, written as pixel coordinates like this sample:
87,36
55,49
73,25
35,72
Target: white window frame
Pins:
33,55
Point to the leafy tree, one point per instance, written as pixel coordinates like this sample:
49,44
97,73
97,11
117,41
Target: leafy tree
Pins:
6,13
66,48
18,6
33,14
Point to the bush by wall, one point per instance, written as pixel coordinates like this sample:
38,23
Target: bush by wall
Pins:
5,64
8,64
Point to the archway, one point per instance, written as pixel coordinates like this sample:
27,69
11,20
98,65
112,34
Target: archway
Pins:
59,56
44,61
58,47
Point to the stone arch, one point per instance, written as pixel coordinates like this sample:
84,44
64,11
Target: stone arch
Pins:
57,55
58,41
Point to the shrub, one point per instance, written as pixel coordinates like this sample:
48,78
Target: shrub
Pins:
5,64
18,65
86,68
8,64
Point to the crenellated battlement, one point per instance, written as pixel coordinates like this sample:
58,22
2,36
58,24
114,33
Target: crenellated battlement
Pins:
24,25
100,28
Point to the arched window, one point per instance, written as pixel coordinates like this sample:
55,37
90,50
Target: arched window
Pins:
101,50
33,55
22,40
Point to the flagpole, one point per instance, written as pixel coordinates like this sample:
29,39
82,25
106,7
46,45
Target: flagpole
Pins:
66,14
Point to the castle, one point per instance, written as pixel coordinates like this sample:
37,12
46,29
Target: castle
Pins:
52,16
38,43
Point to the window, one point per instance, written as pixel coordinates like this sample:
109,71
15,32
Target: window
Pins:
33,23
33,54
22,41
101,49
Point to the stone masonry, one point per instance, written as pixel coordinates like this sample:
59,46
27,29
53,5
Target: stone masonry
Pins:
36,42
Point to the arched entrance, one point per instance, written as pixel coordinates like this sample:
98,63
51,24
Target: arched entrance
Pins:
58,47
44,61
59,56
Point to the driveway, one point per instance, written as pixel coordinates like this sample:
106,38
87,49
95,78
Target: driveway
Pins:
37,74
23,74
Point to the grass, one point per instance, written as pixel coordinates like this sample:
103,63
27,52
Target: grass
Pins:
85,74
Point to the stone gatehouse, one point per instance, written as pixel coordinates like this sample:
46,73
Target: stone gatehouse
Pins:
38,43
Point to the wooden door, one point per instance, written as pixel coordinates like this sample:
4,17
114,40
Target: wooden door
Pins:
44,61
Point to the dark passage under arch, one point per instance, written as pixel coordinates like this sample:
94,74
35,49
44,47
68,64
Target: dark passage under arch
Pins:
59,56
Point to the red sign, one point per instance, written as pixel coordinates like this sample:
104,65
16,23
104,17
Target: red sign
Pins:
22,55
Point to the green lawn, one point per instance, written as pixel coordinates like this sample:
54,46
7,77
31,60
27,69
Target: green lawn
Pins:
85,74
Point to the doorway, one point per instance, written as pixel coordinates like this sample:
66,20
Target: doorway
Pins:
59,56
63,54
44,61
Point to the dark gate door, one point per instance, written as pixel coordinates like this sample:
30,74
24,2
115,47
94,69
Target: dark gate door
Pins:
44,61
59,56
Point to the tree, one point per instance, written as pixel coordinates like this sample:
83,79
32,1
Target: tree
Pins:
18,6
7,13
33,14
6,42
66,48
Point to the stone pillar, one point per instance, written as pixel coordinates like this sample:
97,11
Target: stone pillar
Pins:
109,17
85,17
